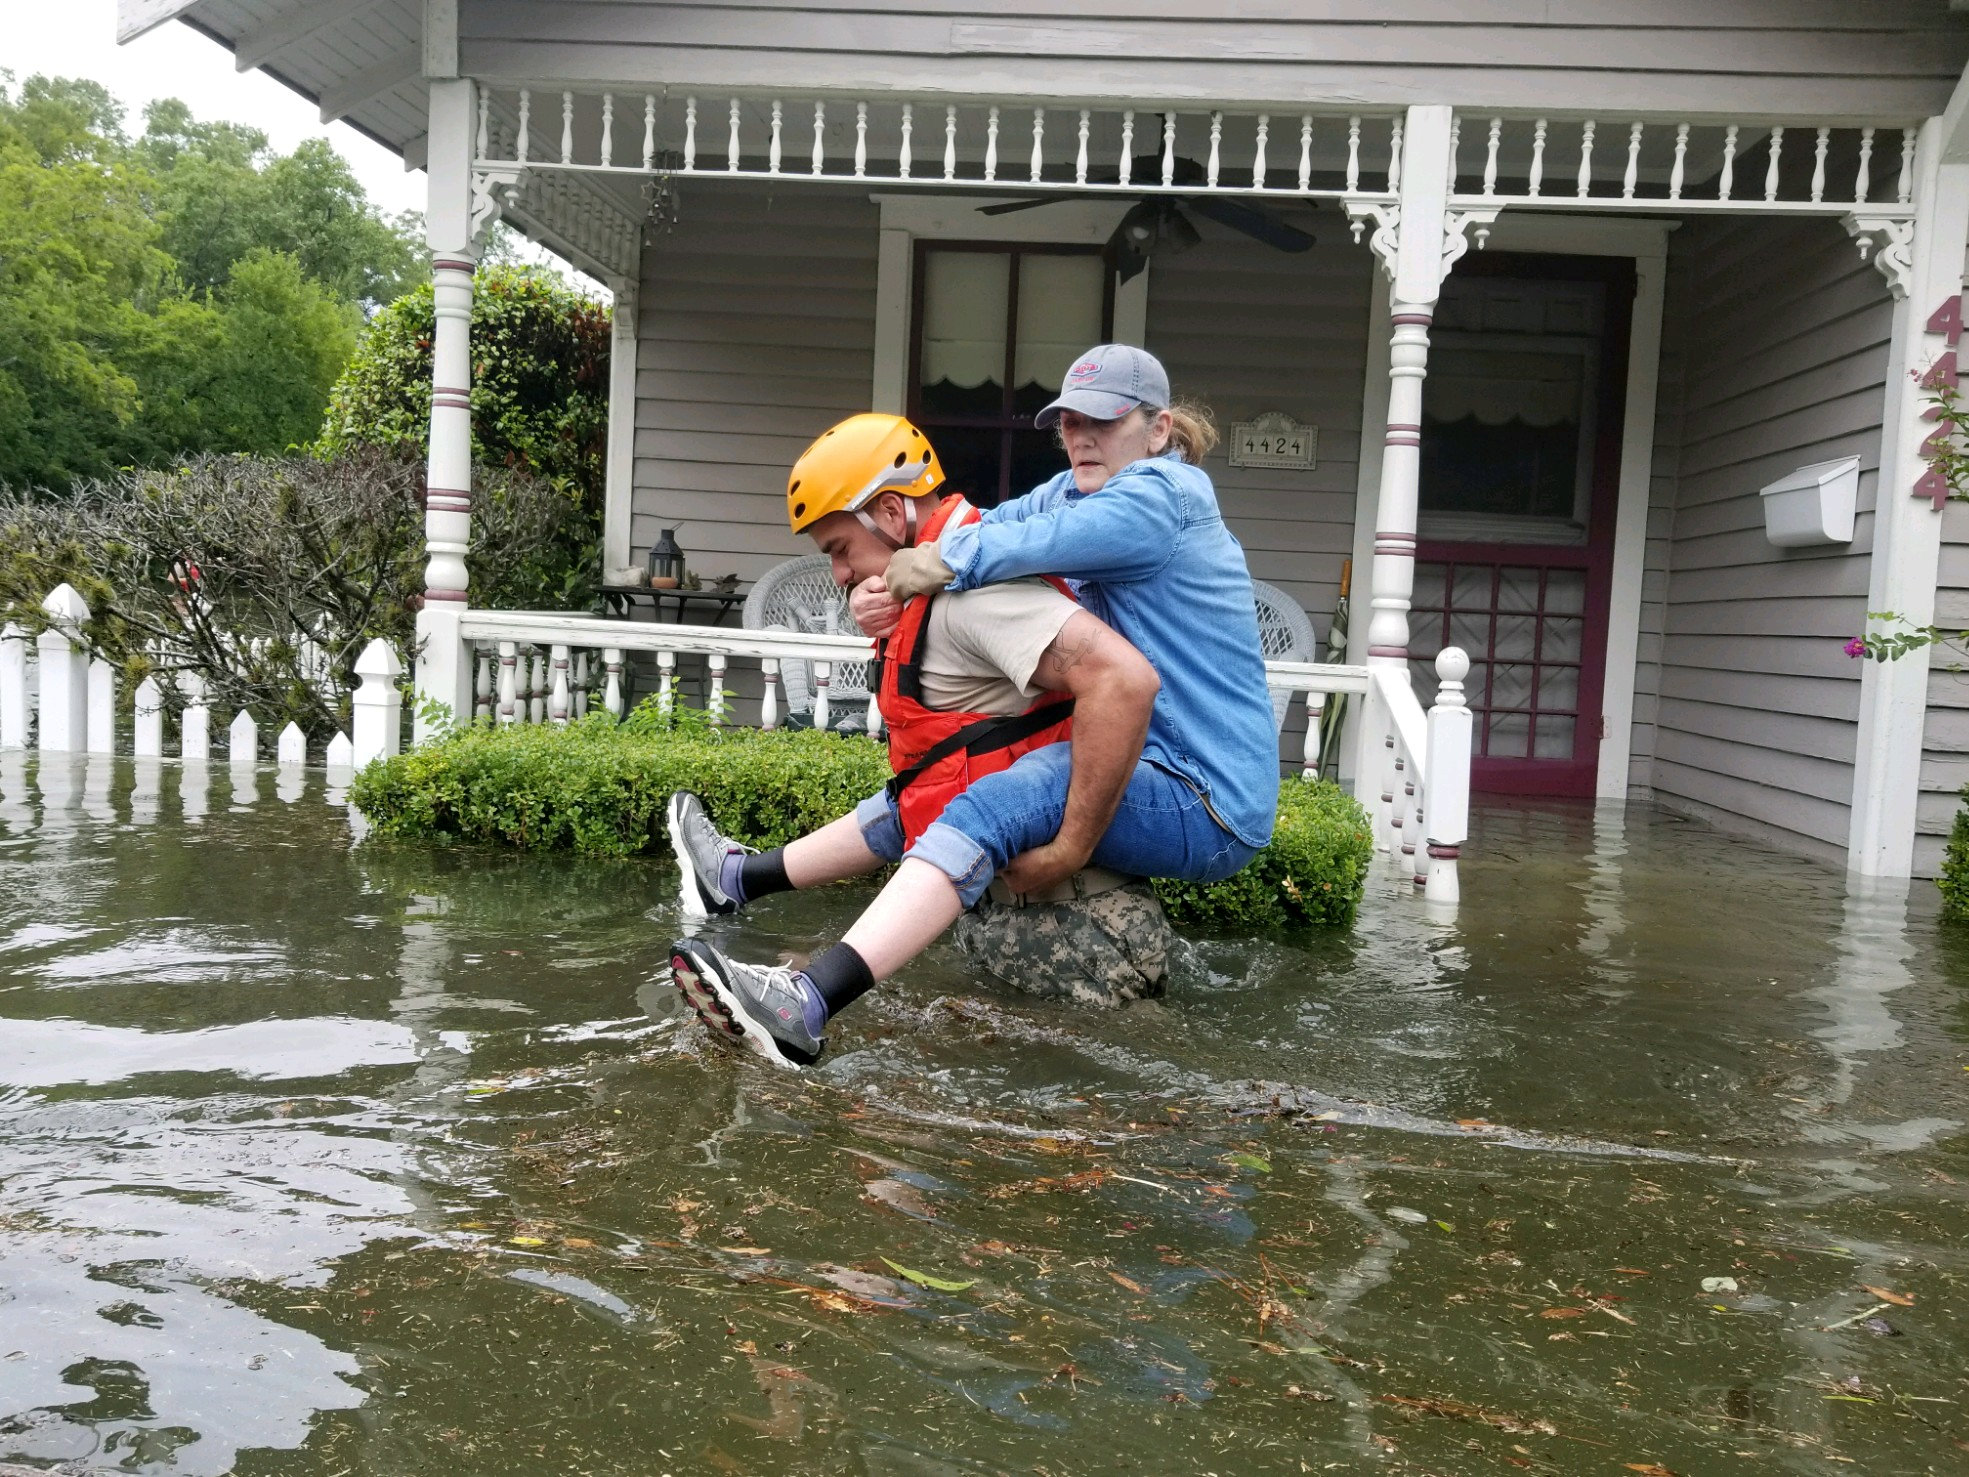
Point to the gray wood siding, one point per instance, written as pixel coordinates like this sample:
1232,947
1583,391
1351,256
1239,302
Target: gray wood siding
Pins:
1882,59
756,332
1945,736
1778,337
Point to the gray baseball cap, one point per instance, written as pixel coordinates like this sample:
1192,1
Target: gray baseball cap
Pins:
1107,382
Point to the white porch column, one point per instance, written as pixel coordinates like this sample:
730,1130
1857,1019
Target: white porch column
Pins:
618,499
444,664
1410,242
1907,527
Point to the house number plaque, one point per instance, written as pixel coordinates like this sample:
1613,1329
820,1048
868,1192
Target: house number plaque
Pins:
1274,440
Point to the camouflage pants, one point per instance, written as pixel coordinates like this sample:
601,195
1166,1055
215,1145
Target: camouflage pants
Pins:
1102,950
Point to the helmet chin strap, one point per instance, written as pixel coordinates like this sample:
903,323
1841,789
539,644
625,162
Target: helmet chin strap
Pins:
909,518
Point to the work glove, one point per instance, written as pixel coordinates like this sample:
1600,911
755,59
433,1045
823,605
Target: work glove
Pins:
917,571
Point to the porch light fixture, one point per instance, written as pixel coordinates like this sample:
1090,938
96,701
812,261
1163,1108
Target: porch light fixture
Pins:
1813,505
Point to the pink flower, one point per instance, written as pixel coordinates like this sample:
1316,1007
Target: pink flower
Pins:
1856,647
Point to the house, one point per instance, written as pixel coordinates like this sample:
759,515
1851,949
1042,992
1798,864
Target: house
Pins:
1583,279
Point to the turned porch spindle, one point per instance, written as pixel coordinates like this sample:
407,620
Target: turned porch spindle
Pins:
666,680
1727,179
1905,185
1455,143
1080,154
1633,174
1216,149
582,683
559,701
1863,181
1258,158
1537,178
903,159
526,123
818,161
1353,153
690,135
649,131
714,697
1168,149
1824,142
731,142
991,144
482,687
1584,183
778,140
861,140
1306,152
1037,167
1771,168
509,683
612,692
1395,156
822,675
950,142
1127,161
769,701
608,128
1490,158
1309,751
1679,171
537,703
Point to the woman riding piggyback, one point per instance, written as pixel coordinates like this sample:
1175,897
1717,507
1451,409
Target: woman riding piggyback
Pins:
1134,523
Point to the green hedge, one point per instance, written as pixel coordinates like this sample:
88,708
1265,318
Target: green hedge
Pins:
1954,881
598,788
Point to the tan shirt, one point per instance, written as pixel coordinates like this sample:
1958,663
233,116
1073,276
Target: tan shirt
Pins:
982,646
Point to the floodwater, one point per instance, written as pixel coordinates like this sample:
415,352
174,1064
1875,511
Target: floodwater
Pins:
333,1159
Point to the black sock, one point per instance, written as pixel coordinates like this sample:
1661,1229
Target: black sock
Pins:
760,876
840,975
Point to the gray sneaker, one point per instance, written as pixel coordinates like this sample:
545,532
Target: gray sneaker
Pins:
756,1006
701,854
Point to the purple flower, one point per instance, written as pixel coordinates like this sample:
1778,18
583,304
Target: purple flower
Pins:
1856,647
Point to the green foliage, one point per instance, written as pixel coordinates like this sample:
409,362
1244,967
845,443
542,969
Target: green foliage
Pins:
598,788
540,357
1954,881
1312,873
183,292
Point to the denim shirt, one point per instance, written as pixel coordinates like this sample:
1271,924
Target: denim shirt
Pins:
1150,555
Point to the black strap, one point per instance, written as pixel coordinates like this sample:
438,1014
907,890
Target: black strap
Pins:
983,737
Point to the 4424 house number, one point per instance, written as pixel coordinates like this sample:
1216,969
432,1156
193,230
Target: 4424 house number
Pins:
1274,440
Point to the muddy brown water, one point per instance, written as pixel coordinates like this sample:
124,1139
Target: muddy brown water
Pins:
333,1159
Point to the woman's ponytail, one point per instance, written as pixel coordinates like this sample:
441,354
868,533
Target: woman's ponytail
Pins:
1192,431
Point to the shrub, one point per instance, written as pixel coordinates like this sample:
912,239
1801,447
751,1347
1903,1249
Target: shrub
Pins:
1954,881
598,788
1312,872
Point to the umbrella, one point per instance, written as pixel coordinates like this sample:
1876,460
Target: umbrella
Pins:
1333,716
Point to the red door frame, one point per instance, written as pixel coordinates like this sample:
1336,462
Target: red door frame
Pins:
1579,775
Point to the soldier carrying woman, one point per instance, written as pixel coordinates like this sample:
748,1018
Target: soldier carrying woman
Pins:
1171,769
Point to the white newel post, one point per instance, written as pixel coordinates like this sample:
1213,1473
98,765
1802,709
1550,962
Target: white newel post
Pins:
13,687
1926,278
149,712
1446,801
64,673
1410,244
102,707
444,659
378,704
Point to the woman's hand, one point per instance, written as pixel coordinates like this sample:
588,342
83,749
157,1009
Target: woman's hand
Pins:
875,610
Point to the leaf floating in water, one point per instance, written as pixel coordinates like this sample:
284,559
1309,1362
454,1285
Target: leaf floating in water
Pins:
1445,1225
527,1240
1251,1161
1649,1469
1563,1313
747,1250
1898,1299
924,1279
1128,1282
1409,1217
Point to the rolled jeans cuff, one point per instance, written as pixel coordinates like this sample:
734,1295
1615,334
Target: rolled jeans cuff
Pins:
881,826
958,857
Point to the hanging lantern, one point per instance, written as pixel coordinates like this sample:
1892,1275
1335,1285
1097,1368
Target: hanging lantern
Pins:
666,562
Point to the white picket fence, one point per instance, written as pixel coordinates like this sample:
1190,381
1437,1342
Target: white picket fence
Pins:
51,688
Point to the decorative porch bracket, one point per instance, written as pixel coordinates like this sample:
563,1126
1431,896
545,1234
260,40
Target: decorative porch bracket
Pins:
1888,241
493,190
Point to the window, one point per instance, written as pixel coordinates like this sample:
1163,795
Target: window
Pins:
996,328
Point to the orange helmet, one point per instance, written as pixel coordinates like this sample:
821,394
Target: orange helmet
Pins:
855,461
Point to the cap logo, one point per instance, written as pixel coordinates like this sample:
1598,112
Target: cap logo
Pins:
1086,369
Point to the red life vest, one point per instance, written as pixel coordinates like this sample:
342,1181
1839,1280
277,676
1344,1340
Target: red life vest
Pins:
936,755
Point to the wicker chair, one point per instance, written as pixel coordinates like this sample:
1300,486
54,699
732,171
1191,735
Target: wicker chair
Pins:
800,595
1285,633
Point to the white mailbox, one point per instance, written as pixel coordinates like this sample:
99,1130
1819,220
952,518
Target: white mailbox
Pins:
1813,505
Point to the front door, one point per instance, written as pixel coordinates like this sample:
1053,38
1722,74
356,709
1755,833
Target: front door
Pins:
1521,431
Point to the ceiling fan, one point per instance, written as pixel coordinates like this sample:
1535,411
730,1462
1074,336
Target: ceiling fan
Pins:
1156,225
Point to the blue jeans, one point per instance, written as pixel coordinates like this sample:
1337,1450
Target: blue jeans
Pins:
1162,828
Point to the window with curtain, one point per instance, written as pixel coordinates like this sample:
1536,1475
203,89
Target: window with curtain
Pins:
995,329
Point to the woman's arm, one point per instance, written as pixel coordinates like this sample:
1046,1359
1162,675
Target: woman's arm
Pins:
1126,531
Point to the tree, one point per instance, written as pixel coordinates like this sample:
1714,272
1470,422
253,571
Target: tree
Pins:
540,363
184,292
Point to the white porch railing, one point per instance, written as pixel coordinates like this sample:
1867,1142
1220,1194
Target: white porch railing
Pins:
547,668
